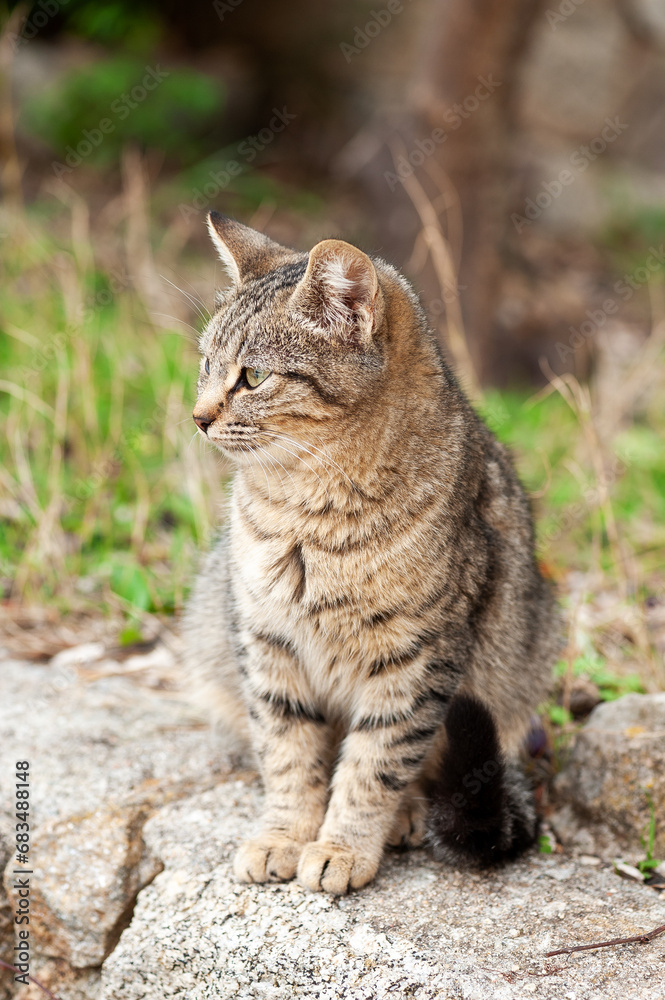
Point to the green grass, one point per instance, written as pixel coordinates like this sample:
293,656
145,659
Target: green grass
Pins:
103,493
594,668
546,439
647,864
106,500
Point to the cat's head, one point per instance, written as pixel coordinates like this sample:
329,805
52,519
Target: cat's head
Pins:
298,347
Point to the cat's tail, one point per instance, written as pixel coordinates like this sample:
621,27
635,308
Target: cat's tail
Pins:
482,809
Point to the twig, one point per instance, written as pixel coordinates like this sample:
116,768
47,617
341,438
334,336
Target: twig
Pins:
637,939
442,260
578,398
12,968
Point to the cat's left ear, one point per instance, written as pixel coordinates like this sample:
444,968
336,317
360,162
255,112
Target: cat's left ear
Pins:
244,252
340,294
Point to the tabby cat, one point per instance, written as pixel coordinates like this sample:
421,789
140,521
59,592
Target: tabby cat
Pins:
373,619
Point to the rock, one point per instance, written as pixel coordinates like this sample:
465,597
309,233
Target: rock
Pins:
131,794
103,852
628,871
6,913
617,765
584,696
104,754
421,929
86,652
66,983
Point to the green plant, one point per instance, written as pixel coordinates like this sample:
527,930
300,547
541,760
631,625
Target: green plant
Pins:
558,715
648,863
593,667
631,231
93,112
116,23
545,844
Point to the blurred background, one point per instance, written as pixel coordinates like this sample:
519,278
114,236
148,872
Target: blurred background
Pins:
506,155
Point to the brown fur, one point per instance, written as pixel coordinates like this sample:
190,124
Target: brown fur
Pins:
378,560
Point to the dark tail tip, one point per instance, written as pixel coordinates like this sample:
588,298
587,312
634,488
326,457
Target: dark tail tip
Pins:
482,810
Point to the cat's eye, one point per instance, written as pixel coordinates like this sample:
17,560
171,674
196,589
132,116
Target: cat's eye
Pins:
207,367
255,376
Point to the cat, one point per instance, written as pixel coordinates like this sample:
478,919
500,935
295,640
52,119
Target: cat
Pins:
373,619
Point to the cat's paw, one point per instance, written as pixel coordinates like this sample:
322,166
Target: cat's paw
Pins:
271,857
334,868
410,824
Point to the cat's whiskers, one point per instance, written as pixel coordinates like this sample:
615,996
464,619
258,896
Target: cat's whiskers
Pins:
273,460
195,300
203,312
300,459
299,444
195,294
176,319
273,471
326,456
263,470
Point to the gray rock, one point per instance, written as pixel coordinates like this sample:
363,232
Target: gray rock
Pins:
616,765
421,930
6,913
103,852
64,982
126,781
104,754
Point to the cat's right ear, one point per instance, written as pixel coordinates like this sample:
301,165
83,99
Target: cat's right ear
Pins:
339,295
244,252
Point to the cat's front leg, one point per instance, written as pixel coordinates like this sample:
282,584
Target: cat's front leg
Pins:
381,756
293,744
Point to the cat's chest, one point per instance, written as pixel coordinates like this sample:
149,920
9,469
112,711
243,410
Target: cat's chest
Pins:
314,594
341,608
288,575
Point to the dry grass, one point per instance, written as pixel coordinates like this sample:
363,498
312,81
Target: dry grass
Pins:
104,489
590,540
106,498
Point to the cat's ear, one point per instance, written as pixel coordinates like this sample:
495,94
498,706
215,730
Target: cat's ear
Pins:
340,294
244,252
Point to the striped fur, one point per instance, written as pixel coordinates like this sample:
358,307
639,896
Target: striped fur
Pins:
378,559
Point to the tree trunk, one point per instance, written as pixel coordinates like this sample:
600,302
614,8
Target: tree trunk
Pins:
467,83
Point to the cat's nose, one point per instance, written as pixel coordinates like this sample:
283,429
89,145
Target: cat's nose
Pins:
203,421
